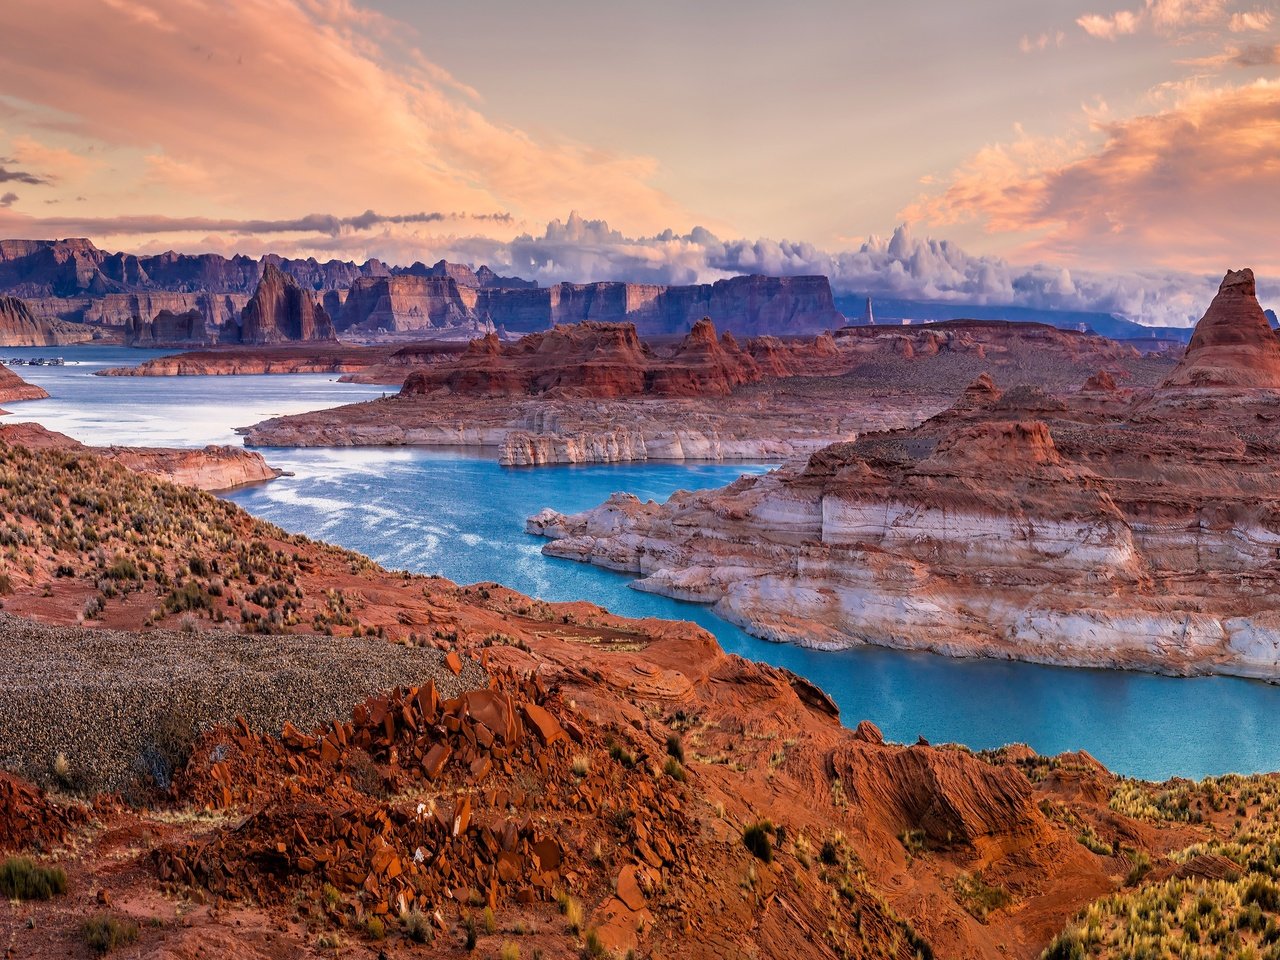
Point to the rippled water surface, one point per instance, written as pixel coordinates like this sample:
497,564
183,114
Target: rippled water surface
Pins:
463,516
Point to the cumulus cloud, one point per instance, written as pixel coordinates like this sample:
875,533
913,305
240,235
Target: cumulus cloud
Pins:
1250,20
260,106
902,265
1109,27
1164,188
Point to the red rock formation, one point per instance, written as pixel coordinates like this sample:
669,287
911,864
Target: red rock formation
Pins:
1110,528
1233,345
591,360
704,366
210,468
1101,382
280,310
13,387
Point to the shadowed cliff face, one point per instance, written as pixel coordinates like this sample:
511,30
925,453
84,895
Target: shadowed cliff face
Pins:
1233,345
281,310
19,328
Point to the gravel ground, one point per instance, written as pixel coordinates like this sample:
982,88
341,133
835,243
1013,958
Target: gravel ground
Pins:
121,705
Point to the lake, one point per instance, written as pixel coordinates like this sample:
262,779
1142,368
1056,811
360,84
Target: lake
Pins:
462,516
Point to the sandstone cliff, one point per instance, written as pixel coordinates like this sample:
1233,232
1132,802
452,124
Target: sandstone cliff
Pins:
1101,529
592,360
19,328
540,400
280,310
1233,345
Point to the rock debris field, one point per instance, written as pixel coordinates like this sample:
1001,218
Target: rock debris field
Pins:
95,710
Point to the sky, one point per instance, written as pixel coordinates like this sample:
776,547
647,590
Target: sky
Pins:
1086,154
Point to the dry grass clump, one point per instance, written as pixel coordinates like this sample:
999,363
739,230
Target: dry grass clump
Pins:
1192,918
979,897
23,879
104,933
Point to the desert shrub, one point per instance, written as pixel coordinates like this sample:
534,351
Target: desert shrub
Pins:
1140,868
571,909
675,747
593,947
23,879
470,932
1066,946
189,596
979,897
104,933
375,928
622,755
123,568
417,926
1264,893
758,838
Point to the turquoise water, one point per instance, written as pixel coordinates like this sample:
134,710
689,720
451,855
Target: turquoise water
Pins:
463,516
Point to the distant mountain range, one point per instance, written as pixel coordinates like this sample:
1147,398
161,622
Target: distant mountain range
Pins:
74,291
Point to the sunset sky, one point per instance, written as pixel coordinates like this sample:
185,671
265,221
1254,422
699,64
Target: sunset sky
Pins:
1072,154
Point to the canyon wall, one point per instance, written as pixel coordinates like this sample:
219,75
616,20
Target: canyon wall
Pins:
20,328
1105,527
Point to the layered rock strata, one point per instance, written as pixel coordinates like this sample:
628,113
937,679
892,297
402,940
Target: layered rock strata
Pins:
214,467
1108,528
579,774
13,387
20,328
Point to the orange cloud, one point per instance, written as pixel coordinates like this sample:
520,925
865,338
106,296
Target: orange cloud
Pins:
271,108
1167,17
1250,20
1192,187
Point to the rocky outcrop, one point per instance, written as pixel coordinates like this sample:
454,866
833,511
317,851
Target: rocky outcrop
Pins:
1233,345
1097,528
214,467
409,304
559,396
242,361
281,311
19,328
13,387
591,360
167,329
629,768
